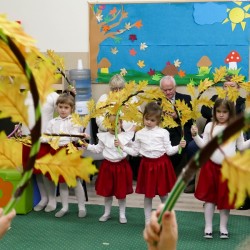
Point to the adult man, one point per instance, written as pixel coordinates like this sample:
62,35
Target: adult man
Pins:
168,87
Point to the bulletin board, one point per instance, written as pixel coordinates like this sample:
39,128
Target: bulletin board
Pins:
145,41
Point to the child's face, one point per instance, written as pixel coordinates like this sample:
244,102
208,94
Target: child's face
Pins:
150,121
222,115
64,110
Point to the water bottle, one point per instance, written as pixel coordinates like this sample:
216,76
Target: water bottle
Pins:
82,82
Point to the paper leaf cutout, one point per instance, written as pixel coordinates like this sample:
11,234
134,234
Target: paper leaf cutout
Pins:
13,104
219,74
141,64
70,166
236,170
9,159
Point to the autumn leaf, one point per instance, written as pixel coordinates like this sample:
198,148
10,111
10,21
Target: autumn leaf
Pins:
191,89
70,166
15,30
138,24
9,159
132,52
234,169
238,78
220,92
54,142
205,84
181,73
113,11
9,105
141,64
220,73
71,148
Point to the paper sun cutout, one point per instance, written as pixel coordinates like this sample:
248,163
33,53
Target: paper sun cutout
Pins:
237,15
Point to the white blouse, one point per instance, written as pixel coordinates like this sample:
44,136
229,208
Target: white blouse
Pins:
107,147
60,125
229,148
152,143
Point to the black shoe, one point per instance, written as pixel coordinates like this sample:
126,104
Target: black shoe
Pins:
244,207
189,189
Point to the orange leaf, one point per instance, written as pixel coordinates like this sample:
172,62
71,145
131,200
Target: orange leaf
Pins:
138,24
181,73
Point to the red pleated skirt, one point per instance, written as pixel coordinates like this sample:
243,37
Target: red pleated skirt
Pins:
44,149
156,176
211,188
114,179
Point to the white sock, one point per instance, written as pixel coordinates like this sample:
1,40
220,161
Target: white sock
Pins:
107,203
79,193
209,213
44,198
224,215
147,209
163,198
64,194
122,207
51,192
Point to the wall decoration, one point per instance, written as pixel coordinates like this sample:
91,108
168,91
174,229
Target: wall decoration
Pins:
187,40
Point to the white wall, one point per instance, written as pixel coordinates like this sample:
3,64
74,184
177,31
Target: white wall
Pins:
60,25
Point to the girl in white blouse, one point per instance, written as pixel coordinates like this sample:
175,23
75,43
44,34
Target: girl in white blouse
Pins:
156,174
65,105
115,176
211,188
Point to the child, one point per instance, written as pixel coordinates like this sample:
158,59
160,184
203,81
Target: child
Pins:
115,174
211,189
63,124
156,174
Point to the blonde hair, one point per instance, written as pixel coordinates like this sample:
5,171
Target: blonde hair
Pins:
117,82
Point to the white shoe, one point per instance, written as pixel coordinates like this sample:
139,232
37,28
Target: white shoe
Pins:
49,208
104,218
123,220
82,213
39,207
61,213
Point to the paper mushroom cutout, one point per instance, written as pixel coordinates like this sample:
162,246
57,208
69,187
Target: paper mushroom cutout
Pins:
232,59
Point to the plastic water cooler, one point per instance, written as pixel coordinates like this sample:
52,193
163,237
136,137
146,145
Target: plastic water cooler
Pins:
82,82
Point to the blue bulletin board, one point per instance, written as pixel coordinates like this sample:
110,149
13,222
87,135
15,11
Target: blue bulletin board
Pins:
145,41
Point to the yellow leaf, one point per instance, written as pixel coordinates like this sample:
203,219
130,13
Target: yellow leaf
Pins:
54,142
56,59
71,148
205,84
13,104
191,89
8,153
70,166
220,92
245,86
238,78
232,94
220,74
236,170
14,30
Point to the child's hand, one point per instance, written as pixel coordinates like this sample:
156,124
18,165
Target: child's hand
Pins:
87,136
182,144
118,143
194,130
